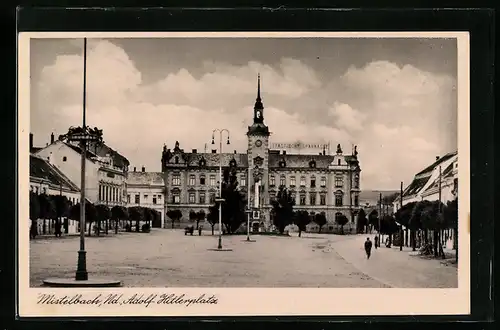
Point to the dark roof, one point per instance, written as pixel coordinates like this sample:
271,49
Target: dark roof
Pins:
448,172
415,186
89,153
211,159
301,161
35,149
103,150
145,178
39,168
437,162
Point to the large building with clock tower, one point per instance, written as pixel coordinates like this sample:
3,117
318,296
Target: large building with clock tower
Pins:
320,183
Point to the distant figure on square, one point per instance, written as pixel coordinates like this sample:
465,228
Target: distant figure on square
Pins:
368,248
377,243
200,228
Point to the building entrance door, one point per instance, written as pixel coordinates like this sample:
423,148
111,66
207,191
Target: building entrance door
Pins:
255,227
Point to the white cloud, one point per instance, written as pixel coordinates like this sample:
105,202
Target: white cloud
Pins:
393,118
347,117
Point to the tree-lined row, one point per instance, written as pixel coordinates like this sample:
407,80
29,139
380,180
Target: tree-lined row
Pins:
53,208
425,216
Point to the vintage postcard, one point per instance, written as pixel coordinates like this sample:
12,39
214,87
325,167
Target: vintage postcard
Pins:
240,174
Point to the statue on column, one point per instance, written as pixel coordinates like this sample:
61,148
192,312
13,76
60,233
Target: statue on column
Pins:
355,150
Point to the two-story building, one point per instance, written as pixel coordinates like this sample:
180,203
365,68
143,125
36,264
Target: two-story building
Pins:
146,189
105,173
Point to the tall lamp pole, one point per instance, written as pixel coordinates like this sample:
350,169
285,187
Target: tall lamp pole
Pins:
81,271
248,205
220,199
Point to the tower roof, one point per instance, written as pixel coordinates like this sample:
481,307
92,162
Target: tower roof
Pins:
258,100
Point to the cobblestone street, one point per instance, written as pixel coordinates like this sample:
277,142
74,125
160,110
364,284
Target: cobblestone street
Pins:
167,258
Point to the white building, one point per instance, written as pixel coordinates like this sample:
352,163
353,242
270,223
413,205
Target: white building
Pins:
147,189
105,173
425,185
47,179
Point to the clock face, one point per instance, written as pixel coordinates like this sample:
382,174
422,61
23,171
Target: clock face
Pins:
258,143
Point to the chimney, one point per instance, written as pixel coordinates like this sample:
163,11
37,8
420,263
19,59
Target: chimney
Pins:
135,168
143,169
284,152
31,141
235,152
195,151
437,158
52,138
214,151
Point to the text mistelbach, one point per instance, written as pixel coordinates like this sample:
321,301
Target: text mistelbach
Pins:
120,299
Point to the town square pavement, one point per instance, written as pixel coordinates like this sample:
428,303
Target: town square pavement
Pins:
168,258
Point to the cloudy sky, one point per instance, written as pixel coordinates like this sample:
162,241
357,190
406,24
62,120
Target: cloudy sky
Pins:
393,98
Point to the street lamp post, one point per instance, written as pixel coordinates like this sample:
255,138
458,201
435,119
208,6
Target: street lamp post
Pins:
220,199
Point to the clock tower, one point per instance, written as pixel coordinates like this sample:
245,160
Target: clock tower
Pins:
258,155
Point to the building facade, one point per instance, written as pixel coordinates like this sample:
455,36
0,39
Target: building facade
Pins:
425,184
319,183
147,189
105,174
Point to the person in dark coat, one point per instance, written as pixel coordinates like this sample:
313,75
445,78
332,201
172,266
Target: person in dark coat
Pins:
58,231
368,248
377,244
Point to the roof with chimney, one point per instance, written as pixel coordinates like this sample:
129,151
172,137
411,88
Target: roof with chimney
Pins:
437,162
41,169
422,178
145,178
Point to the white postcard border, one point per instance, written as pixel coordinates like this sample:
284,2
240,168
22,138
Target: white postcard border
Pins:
252,301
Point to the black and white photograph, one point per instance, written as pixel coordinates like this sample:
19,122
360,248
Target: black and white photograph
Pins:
173,169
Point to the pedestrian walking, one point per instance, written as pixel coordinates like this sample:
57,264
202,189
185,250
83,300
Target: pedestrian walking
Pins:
199,230
377,243
368,247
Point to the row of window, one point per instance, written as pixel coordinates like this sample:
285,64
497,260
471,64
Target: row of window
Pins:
110,193
156,199
339,181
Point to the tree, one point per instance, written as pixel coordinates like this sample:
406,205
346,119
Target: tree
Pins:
320,220
200,216
233,206
451,219
174,215
90,214
118,213
136,213
47,210
62,206
192,217
432,218
213,216
373,220
388,226
103,214
302,219
341,220
403,217
34,214
283,209
362,225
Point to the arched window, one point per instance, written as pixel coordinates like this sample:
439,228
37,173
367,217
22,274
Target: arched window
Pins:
282,180
338,198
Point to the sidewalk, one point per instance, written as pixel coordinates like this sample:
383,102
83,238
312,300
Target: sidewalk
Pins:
399,269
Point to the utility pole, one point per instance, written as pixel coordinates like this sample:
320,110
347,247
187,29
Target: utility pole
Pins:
379,215
401,229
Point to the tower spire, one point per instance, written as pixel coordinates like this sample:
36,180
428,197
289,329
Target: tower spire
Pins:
258,87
